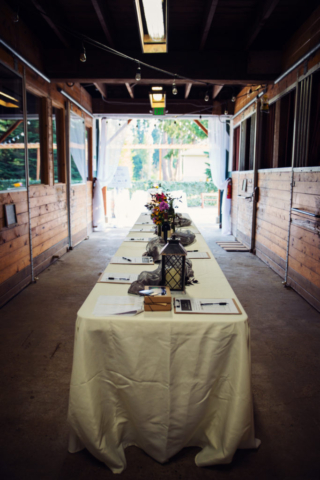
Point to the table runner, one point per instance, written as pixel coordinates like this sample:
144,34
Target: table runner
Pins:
162,381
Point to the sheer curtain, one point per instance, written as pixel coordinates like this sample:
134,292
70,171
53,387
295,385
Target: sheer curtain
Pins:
112,138
219,141
77,144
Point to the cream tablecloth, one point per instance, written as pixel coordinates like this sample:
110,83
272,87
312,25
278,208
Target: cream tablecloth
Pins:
162,381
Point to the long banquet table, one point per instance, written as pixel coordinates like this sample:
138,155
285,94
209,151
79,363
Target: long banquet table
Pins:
159,380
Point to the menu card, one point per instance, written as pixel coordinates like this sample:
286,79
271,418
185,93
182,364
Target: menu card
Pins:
118,305
133,260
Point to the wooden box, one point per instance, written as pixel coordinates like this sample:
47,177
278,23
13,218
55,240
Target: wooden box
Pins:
158,303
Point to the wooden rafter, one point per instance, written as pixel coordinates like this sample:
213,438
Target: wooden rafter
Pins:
130,89
216,90
102,87
102,15
207,21
187,90
201,126
10,130
267,7
47,16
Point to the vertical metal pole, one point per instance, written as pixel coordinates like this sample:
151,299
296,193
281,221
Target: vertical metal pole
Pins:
68,162
294,142
26,161
308,123
256,159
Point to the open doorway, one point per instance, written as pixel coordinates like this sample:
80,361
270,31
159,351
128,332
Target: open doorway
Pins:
170,153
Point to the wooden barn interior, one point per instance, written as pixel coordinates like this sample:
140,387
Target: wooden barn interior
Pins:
241,53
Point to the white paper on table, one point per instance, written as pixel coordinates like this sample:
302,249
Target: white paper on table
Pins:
133,260
108,277
143,229
198,255
195,305
144,222
140,239
118,305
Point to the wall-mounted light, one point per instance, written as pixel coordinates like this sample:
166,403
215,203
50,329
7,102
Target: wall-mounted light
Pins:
157,100
152,21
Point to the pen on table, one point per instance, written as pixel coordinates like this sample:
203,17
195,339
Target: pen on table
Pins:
124,258
219,303
114,278
192,251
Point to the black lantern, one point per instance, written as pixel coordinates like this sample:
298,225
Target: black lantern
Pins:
173,259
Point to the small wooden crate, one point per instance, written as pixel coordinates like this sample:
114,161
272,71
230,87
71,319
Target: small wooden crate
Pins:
159,303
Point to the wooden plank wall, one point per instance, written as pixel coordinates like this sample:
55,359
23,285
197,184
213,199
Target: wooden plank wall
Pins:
304,249
48,202
272,218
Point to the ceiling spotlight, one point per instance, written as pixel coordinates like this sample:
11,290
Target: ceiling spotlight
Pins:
233,99
70,84
138,74
206,98
226,112
83,56
174,88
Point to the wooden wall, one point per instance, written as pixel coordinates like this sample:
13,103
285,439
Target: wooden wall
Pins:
272,218
304,245
279,229
48,202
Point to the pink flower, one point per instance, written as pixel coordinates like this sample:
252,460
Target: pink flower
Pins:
163,206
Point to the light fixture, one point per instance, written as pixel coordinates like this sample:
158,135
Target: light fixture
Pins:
226,112
83,56
138,74
206,98
8,104
174,88
233,99
70,84
152,21
157,100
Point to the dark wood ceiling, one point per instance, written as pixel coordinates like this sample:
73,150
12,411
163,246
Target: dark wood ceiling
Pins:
224,42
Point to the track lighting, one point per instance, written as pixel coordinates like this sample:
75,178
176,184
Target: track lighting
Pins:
174,88
206,98
83,56
138,74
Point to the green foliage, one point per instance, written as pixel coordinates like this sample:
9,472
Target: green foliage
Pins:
208,171
139,157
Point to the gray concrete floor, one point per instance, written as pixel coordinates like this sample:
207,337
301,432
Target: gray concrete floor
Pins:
36,345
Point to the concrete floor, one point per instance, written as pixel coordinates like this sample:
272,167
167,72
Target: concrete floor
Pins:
36,345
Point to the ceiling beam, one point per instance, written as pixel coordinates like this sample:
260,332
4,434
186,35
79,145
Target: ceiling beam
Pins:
102,14
231,67
130,89
201,126
47,16
216,90
139,106
187,90
101,87
207,21
265,10
10,130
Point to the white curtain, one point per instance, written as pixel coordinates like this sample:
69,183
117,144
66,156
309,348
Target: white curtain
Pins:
113,133
77,144
219,141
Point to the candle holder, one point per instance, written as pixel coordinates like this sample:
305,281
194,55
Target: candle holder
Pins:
173,265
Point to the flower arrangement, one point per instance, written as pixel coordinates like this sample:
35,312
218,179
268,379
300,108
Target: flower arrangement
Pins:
161,208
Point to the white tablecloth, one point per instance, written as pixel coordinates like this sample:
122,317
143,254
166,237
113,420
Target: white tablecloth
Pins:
162,381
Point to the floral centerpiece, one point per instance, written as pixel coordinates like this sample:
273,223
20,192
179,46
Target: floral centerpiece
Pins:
162,210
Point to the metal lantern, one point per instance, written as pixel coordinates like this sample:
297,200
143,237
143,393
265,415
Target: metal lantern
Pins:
173,260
